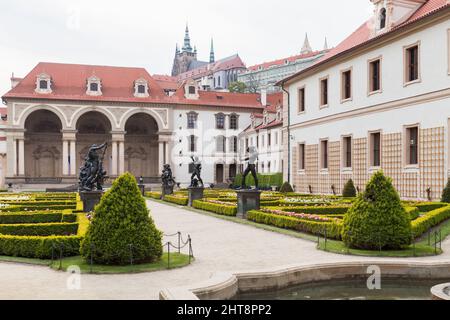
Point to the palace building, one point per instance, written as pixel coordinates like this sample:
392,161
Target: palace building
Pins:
380,100
58,110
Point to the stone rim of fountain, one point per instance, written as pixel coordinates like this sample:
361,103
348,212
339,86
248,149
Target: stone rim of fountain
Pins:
441,291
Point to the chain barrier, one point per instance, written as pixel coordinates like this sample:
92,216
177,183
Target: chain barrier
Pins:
57,251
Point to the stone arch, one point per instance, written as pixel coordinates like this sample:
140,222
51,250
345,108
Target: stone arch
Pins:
93,127
80,113
132,112
30,110
43,146
142,145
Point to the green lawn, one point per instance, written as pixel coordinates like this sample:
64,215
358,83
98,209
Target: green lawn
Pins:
176,261
420,250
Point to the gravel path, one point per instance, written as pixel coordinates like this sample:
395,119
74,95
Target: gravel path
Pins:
218,245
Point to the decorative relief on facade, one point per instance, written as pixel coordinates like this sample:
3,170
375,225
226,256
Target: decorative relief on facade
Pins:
18,110
432,162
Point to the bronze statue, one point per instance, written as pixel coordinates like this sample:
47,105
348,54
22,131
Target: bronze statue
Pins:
168,180
196,179
251,168
92,176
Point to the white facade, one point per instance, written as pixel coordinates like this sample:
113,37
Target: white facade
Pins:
398,105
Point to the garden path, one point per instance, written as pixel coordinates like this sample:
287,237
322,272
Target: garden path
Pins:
218,245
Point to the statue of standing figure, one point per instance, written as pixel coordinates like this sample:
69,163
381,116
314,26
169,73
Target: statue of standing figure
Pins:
196,179
168,180
92,176
251,168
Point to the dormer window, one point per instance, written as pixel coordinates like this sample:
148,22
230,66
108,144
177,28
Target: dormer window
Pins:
43,84
191,90
382,18
94,86
141,88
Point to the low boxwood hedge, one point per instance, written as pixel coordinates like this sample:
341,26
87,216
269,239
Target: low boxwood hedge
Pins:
39,247
325,210
182,201
39,229
35,217
333,229
429,206
413,212
216,208
424,223
153,195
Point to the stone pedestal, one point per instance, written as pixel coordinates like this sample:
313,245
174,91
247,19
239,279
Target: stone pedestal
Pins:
247,200
195,194
90,199
142,188
166,191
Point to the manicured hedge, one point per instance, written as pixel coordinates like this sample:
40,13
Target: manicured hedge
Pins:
153,195
422,224
39,247
333,229
182,201
325,210
35,217
264,180
39,229
216,208
413,212
429,206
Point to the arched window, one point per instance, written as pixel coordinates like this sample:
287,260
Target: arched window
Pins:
383,18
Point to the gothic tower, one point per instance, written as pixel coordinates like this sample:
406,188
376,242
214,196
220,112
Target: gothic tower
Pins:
183,58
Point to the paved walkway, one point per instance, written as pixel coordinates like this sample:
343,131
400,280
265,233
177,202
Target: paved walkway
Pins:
218,245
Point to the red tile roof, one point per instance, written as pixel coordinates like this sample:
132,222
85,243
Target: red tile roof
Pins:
274,101
166,82
274,123
69,83
362,35
281,62
220,65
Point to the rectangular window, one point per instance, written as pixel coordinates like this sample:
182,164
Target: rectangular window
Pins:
324,154
347,152
94,87
324,92
412,144
192,144
220,121
233,122
301,156
257,141
191,90
43,84
412,63
375,76
192,120
301,100
141,89
221,144
346,85
269,138
375,148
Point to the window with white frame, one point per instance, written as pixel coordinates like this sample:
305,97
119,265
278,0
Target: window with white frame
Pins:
141,88
43,84
221,144
94,86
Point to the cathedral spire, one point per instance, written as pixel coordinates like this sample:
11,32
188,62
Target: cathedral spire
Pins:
212,58
187,40
306,46
177,49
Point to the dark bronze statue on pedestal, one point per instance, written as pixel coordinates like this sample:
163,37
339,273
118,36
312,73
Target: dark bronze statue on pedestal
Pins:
168,180
92,176
196,179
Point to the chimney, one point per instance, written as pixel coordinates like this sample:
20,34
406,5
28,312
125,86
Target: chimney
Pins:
14,81
264,97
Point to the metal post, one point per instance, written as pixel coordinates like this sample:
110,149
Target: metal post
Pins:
414,245
435,242
325,238
190,248
168,255
179,242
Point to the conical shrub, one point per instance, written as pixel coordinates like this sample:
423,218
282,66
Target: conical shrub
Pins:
286,188
446,193
121,230
377,219
349,189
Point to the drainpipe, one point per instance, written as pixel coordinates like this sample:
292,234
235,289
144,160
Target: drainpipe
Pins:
288,130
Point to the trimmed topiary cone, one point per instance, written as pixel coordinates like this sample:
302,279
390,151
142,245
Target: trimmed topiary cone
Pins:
377,219
286,188
349,190
121,230
446,193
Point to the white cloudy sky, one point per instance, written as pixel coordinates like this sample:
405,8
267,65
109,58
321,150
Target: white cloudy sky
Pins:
143,33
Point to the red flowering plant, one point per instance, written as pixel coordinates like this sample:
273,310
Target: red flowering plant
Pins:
303,216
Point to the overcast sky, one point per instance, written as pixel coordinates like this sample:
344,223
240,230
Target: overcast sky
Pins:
142,33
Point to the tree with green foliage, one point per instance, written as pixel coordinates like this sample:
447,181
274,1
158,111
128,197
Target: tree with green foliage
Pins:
237,86
121,230
286,188
349,190
446,193
377,219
